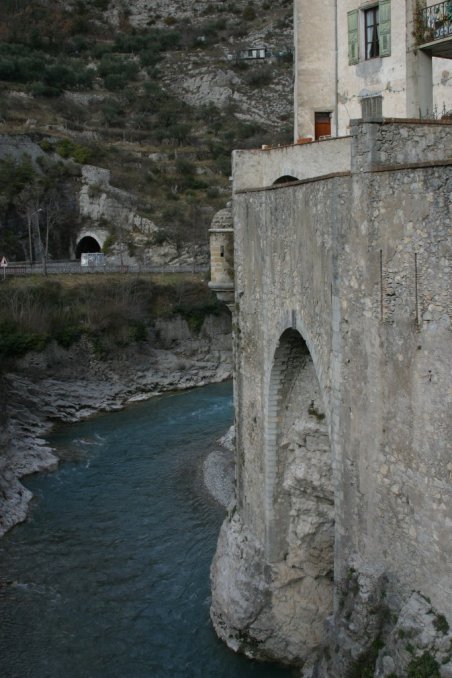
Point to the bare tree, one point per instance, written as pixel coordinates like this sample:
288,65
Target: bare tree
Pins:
53,215
29,204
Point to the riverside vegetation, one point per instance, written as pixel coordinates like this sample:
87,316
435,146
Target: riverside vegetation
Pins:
72,346
112,311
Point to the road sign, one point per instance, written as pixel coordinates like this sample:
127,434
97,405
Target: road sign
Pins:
4,264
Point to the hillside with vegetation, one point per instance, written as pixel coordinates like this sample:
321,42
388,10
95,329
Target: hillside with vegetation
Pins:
151,92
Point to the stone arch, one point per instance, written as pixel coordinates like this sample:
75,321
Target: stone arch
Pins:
87,244
286,179
299,501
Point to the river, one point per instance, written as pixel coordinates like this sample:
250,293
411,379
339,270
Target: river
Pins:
109,576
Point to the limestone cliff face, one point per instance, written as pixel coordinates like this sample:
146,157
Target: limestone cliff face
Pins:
271,599
102,206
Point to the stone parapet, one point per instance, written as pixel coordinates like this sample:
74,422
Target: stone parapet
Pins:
395,143
263,167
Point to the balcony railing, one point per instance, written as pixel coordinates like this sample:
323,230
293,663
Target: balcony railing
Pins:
436,22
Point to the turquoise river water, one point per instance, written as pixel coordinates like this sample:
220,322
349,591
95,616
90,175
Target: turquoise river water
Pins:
109,576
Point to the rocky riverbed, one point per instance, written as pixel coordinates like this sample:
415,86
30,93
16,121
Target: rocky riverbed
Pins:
67,385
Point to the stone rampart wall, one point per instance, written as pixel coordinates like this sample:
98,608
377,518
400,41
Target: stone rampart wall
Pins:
284,255
400,142
359,265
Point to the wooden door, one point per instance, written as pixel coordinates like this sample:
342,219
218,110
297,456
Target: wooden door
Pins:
322,125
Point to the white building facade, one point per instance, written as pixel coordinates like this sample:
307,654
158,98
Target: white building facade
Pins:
362,58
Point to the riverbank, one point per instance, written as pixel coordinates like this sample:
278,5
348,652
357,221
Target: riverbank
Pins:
68,385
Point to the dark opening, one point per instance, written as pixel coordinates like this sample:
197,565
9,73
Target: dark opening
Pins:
87,244
286,179
371,20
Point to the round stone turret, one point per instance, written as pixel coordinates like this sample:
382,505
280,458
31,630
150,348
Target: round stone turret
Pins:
222,256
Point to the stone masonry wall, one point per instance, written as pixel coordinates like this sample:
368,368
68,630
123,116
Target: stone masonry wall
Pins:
359,266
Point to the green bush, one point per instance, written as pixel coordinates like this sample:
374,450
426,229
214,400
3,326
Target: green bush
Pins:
259,77
115,82
138,331
114,65
15,341
110,240
67,336
424,666
249,13
113,113
196,314
69,149
441,624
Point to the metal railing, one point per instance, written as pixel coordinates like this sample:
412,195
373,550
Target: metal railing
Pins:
437,21
22,268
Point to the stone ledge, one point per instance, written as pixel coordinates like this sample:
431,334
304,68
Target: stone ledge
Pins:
276,187
408,166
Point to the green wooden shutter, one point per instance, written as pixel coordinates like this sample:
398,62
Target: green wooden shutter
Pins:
353,52
384,31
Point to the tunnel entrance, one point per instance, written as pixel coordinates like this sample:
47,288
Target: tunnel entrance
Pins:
88,244
299,489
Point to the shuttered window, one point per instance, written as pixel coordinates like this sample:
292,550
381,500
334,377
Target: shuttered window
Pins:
353,52
372,107
375,24
385,27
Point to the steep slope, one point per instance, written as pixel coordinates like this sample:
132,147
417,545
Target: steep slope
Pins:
153,92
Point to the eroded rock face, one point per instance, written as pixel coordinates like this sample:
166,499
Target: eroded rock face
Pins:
271,600
268,612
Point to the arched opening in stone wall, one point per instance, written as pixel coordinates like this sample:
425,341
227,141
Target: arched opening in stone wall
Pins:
299,499
286,179
87,244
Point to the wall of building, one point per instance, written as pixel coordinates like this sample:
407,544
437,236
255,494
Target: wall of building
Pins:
410,81
359,267
385,75
315,45
259,168
442,84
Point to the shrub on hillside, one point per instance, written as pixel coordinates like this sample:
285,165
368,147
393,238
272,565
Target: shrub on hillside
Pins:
67,148
114,65
259,77
249,13
115,82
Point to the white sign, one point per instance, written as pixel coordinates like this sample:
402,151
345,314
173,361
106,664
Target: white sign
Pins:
4,262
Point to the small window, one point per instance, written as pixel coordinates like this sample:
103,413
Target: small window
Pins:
371,27
372,107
